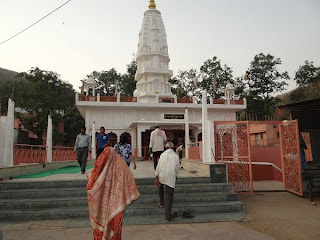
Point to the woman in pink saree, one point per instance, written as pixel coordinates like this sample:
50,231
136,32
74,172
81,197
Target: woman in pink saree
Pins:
111,188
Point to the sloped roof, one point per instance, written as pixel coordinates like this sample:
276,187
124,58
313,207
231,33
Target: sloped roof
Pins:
306,112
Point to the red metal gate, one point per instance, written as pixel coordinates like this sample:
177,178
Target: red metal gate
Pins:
290,156
233,148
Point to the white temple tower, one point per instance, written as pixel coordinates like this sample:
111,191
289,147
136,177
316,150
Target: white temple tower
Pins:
153,72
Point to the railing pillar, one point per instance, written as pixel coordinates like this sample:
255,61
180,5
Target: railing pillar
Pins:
49,140
194,100
93,141
175,99
118,97
98,97
6,136
157,98
211,100
186,117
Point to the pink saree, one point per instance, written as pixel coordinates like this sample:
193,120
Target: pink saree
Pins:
111,188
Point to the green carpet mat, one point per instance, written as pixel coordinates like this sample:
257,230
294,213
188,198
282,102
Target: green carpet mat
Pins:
65,170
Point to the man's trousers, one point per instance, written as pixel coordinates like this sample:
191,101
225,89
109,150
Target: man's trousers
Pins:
166,194
156,156
82,157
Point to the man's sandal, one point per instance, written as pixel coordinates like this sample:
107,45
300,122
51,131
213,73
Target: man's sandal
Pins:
187,215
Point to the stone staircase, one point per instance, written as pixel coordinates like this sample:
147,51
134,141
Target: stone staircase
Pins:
26,201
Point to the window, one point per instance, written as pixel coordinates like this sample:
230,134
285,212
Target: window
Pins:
261,136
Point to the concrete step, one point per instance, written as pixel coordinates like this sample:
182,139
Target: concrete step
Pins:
198,218
83,183
134,210
156,219
42,203
80,191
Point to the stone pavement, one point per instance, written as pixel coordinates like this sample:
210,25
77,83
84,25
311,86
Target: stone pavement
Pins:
60,230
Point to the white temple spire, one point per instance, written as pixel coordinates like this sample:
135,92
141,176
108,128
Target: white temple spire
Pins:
153,72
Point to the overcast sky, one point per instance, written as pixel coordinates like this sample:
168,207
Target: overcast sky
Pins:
88,35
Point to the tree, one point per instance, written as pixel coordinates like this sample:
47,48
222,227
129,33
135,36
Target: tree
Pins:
107,81
73,122
185,84
264,79
307,74
214,77
127,82
42,93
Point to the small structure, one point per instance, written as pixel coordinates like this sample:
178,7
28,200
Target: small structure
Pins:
88,84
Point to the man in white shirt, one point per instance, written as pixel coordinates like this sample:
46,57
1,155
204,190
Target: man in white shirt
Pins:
157,139
166,176
83,146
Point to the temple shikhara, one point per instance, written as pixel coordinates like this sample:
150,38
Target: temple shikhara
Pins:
153,103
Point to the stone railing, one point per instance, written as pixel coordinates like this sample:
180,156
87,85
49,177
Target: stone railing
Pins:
195,151
118,99
29,154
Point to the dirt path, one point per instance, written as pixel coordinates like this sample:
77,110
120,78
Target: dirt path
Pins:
283,215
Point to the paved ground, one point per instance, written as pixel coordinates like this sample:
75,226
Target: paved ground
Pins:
57,230
144,170
283,215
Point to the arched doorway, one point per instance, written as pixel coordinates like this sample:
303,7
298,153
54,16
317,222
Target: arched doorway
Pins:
113,138
199,137
128,136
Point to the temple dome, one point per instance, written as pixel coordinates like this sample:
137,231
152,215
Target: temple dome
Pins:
153,59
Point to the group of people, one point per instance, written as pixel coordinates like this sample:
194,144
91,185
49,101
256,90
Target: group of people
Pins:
83,147
111,186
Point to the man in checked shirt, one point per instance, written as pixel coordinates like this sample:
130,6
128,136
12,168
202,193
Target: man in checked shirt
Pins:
83,146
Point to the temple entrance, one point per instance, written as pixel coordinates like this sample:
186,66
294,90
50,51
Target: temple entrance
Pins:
176,136
233,148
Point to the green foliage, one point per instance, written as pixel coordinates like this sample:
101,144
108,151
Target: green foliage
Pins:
263,76
185,83
127,82
307,74
6,89
107,81
263,80
110,80
214,77
40,93
73,122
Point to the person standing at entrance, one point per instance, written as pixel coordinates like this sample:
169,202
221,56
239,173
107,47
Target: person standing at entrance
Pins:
83,146
166,175
157,139
103,140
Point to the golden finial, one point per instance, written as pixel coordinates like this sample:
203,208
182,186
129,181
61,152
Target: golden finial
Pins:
152,4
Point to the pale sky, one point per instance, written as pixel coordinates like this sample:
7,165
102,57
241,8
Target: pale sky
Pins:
88,35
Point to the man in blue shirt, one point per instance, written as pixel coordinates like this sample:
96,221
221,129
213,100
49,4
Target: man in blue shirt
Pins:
103,140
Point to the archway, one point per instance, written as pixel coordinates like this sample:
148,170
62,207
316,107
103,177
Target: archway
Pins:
113,138
200,137
128,136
